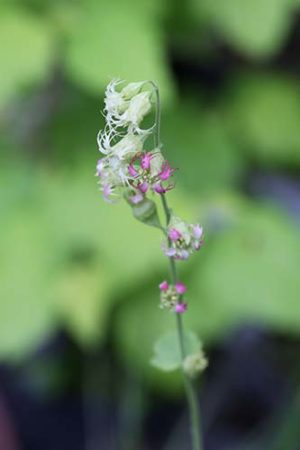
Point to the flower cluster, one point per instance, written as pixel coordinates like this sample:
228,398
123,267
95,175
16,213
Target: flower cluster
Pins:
131,168
183,239
125,163
171,297
149,170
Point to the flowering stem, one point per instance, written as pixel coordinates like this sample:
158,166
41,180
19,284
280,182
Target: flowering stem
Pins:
188,384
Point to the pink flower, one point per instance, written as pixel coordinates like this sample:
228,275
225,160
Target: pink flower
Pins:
166,172
145,161
132,171
180,288
164,286
174,234
180,308
143,187
159,189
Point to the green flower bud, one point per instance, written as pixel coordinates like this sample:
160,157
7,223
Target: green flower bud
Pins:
137,109
131,90
195,363
146,212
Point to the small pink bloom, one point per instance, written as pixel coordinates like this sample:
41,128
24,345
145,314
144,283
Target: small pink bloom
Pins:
197,231
164,286
166,172
174,234
180,288
145,161
143,187
132,171
159,189
180,308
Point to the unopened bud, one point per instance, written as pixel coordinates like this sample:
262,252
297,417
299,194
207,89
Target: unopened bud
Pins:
146,212
195,363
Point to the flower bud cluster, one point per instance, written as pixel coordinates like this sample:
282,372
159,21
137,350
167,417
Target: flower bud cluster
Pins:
183,239
125,164
149,170
195,363
170,297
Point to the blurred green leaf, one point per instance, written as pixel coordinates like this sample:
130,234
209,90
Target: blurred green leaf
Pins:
264,111
138,324
64,257
81,300
167,355
26,310
249,271
199,145
117,39
76,217
26,45
255,27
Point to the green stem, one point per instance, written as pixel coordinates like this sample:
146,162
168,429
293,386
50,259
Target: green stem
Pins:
188,384
156,134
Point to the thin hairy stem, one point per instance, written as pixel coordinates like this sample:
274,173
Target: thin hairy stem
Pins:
188,384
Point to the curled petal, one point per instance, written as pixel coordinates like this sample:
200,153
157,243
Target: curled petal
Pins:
104,140
145,161
166,172
132,171
143,187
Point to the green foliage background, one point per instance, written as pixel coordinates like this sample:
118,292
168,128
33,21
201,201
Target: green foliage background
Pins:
67,260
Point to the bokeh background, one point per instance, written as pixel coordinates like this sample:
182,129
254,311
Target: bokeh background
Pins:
78,278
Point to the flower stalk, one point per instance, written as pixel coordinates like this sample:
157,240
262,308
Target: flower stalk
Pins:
188,383
127,170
